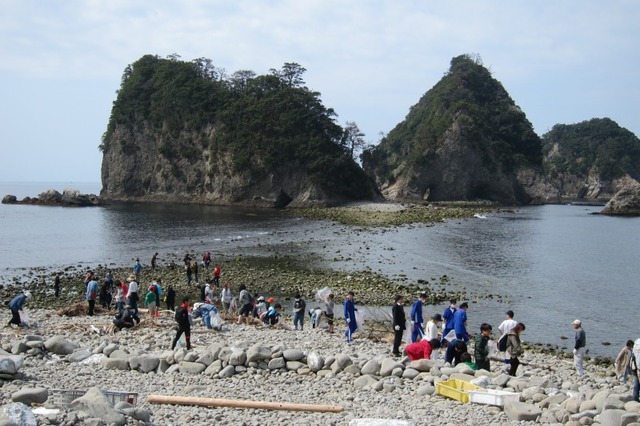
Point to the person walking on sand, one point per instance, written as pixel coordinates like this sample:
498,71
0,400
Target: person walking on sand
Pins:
447,318
91,296
623,361
460,323
399,324
184,323
15,305
514,348
417,322
350,317
580,346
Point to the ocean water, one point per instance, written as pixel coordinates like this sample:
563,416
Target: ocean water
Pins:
550,264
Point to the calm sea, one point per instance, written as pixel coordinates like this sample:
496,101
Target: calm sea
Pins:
551,264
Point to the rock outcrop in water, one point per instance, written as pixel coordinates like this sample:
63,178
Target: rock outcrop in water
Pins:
51,197
626,202
179,132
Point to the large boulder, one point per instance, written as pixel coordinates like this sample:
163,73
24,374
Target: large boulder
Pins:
60,345
96,405
17,413
258,352
79,355
521,411
10,364
371,367
315,361
293,354
31,396
626,202
192,367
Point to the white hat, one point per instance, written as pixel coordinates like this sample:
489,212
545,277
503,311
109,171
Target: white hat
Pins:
576,322
27,293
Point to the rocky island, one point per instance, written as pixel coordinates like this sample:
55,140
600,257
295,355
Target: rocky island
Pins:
69,197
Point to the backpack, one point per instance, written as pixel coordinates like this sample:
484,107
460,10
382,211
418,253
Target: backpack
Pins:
502,342
179,314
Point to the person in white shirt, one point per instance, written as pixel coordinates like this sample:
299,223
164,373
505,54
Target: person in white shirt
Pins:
507,325
432,331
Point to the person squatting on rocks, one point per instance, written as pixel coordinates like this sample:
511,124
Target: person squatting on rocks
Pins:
124,318
350,316
399,323
183,318
580,346
514,348
447,317
623,362
299,308
15,305
454,351
272,317
209,314
481,350
417,322
460,322
91,296
422,349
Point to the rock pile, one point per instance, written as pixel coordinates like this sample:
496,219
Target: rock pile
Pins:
245,362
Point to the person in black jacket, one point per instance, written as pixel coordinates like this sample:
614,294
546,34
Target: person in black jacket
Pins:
184,323
399,324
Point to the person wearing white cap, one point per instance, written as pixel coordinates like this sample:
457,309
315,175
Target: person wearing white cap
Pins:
579,347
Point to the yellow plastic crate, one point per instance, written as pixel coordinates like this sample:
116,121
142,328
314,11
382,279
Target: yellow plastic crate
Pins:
456,389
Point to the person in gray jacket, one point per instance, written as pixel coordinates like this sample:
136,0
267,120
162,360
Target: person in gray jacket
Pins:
514,348
580,346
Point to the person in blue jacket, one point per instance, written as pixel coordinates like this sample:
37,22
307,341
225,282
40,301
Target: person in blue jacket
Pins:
350,316
460,323
447,317
16,305
417,322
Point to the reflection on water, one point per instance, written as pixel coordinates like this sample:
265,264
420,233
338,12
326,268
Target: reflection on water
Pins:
552,264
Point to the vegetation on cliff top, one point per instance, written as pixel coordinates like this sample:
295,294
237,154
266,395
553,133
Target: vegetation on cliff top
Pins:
597,146
266,123
469,93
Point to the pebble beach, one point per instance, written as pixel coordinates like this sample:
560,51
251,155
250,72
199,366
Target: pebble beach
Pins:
251,362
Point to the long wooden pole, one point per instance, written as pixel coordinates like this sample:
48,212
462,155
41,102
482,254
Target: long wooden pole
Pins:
237,403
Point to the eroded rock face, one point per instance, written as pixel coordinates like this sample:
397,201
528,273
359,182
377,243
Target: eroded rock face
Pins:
626,202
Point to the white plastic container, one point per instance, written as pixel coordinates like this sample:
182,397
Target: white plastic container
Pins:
492,397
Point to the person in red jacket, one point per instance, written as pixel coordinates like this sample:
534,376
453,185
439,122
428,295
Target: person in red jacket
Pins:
421,349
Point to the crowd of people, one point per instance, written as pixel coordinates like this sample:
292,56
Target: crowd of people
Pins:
447,331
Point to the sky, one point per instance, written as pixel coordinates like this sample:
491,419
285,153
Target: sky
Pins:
62,61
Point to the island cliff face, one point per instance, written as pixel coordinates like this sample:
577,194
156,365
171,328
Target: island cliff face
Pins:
466,139
178,132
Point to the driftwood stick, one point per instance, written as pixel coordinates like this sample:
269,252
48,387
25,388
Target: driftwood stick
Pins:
237,403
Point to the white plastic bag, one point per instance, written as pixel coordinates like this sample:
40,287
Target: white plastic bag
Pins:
359,321
24,318
492,347
216,323
451,335
407,332
322,295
